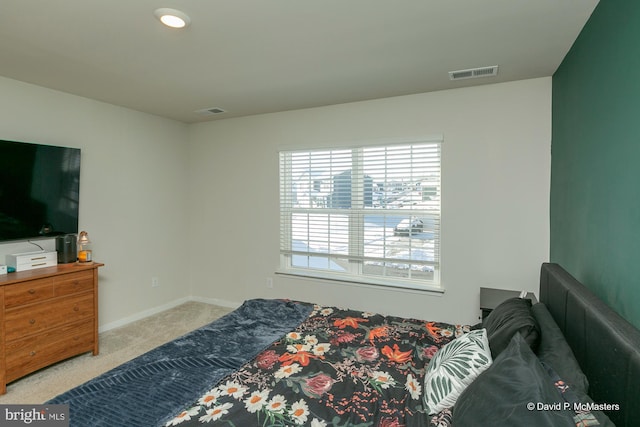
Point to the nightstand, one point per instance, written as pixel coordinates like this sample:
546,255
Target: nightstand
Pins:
490,298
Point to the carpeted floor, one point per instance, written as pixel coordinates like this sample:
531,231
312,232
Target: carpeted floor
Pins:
116,346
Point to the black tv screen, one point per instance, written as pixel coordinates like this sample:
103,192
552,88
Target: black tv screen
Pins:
39,190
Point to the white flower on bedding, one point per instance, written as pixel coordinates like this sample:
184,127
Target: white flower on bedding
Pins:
299,412
210,397
215,413
321,348
413,387
256,401
287,371
318,423
326,311
277,404
446,333
383,379
184,416
311,339
233,389
294,336
461,330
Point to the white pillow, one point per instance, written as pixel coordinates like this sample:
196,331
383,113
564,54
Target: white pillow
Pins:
453,368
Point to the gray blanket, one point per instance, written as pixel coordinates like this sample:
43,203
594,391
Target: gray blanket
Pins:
150,389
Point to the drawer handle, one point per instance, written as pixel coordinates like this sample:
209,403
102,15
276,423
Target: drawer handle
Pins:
76,308
32,291
32,321
33,353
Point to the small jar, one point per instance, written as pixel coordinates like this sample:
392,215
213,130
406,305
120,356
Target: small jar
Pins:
84,247
84,254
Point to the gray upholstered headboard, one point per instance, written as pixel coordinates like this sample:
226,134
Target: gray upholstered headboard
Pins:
606,345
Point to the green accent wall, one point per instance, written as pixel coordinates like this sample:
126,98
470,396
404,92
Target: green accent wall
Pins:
595,157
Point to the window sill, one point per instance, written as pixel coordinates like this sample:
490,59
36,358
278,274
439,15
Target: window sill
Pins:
389,285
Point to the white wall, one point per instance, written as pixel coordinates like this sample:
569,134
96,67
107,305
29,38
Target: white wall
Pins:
495,203
133,191
197,206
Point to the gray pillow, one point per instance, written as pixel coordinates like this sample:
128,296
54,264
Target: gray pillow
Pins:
554,350
511,316
503,394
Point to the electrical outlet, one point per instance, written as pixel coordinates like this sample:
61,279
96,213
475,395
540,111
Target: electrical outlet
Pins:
155,282
269,283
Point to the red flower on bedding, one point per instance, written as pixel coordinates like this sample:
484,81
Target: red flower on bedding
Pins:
390,422
367,354
266,359
430,351
379,332
318,385
348,321
396,355
343,338
432,328
302,357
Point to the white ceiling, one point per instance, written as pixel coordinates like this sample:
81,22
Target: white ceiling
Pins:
258,56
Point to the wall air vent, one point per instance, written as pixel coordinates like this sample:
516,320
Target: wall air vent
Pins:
210,111
474,73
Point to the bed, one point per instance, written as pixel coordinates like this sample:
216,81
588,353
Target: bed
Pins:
569,360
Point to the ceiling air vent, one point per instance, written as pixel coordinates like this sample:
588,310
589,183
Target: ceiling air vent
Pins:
210,111
474,73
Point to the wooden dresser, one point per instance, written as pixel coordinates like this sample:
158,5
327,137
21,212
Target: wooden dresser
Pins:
46,315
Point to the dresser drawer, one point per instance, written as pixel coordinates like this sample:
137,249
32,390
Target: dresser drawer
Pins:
73,283
32,353
20,322
28,292
46,315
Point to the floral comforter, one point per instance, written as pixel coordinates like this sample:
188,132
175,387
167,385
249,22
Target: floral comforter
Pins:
337,368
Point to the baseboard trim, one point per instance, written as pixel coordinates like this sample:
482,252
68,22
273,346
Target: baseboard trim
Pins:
141,315
216,301
159,309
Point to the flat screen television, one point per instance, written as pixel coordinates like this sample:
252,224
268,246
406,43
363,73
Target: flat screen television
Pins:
39,190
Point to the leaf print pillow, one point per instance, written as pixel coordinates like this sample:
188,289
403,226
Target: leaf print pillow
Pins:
453,368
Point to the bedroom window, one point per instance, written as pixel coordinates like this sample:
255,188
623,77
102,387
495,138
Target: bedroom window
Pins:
366,214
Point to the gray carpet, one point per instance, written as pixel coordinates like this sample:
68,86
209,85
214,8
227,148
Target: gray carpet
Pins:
116,346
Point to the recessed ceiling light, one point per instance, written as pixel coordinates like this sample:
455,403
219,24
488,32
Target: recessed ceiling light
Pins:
172,18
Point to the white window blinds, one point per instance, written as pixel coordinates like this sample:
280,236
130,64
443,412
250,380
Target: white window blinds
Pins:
364,214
